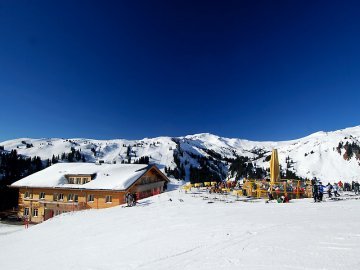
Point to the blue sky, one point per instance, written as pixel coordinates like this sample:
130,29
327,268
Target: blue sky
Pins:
261,70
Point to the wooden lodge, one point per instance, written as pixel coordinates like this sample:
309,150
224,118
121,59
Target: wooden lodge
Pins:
66,187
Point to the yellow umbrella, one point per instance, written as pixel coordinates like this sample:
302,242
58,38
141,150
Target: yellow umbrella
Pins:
274,167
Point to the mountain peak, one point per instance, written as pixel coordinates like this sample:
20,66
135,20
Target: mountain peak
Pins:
320,154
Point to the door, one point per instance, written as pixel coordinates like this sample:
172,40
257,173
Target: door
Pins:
49,213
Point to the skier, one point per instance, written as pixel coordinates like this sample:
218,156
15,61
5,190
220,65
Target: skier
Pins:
329,189
131,200
336,188
341,185
321,192
356,187
315,191
346,186
127,199
26,222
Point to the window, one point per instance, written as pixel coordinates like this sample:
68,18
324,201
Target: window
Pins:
35,212
60,197
91,198
42,196
28,195
70,197
76,198
55,197
108,199
79,179
26,211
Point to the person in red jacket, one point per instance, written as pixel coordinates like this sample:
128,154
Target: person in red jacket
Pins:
341,185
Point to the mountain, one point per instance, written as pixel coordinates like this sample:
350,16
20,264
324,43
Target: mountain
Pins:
330,156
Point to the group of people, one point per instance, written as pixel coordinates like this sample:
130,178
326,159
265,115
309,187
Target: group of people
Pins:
318,190
130,199
281,199
355,186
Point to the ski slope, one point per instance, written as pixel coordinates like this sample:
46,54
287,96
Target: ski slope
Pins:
312,156
7,229
192,234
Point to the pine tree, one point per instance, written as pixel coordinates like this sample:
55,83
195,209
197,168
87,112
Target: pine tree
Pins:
54,160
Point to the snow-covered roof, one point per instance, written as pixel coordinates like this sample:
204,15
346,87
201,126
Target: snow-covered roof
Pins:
106,176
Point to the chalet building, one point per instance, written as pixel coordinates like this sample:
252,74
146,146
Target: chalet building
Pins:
65,187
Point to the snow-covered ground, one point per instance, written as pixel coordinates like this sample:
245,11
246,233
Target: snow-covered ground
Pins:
7,229
188,232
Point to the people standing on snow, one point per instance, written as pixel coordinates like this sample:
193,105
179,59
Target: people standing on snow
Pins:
127,199
329,189
356,187
321,192
341,185
347,187
336,189
130,199
315,191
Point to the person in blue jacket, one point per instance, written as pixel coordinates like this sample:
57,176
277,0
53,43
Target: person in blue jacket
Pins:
329,189
321,192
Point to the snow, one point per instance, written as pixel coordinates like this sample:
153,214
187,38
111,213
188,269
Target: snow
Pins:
7,229
107,176
314,155
192,234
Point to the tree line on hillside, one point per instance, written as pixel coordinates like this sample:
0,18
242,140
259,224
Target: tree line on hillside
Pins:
74,156
213,166
208,168
12,168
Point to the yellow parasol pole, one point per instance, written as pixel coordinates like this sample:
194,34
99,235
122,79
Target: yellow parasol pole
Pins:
274,167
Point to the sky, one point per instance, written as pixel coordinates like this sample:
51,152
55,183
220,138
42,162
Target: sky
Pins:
259,70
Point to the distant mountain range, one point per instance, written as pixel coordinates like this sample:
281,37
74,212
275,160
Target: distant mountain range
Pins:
329,156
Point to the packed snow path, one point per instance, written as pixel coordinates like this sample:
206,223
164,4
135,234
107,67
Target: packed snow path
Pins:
190,233
7,229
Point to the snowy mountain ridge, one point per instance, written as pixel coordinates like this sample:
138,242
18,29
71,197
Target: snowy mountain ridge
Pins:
327,155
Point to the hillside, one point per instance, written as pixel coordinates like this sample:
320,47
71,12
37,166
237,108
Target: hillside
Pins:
191,234
326,155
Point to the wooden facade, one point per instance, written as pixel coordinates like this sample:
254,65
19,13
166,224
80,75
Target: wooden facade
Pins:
39,204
